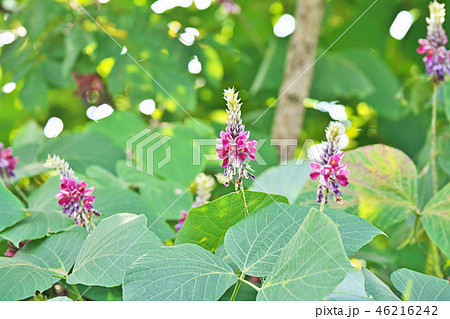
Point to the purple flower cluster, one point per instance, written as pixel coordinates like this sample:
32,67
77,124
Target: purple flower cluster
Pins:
77,201
7,162
437,61
75,197
234,145
326,164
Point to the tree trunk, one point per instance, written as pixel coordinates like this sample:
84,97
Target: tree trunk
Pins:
297,76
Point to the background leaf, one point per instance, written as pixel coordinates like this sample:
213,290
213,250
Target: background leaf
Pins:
382,189
436,219
286,180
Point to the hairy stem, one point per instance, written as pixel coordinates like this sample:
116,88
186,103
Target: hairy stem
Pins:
241,191
433,140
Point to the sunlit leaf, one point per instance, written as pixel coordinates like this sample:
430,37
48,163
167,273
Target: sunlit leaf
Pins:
206,225
311,265
113,245
256,242
20,279
181,272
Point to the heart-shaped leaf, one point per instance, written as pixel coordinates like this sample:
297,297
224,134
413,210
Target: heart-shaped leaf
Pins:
181,272
311,265
255,243
382,189
206,225
116,243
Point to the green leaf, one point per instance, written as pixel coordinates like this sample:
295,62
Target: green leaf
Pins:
43,198
115,244
436,219
11,209
167,199
38,225
382,189
255,243
20,279
311,265
385,83
57,252
336,76
350,289
82,150
182,272
206,225
119,126
111,201
76,39
420,287
377,289
286,180
34,93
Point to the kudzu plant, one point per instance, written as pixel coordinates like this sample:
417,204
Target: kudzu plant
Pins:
180,235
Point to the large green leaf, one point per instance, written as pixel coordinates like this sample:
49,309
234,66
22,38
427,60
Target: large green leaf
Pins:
20,279
377,289
382,189
206,225
255,243
286,180
436,219
115,244
11,209
38,225
57,252
311,265
81,150
420,287
182,272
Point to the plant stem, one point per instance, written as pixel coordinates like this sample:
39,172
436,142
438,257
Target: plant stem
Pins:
236,288
241,191
75,289
433,139
250,284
